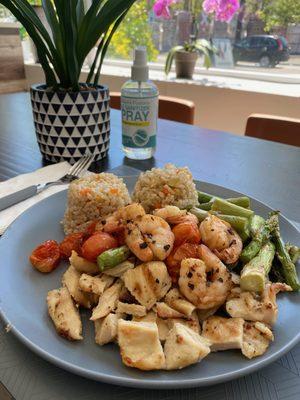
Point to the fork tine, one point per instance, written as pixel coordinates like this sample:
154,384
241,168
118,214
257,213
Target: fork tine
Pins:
85,165
76,165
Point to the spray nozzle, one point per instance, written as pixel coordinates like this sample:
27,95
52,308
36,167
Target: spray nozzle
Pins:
139,69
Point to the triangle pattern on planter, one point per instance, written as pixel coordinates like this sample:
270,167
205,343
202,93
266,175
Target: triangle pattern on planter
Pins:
69,125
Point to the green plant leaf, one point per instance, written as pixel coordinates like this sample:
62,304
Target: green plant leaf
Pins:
207,55
106,44
170,58
109,12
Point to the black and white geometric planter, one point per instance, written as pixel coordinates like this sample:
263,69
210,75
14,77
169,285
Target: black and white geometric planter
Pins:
69,125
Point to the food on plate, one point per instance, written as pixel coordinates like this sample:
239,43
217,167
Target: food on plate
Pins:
91,198
255,272
171,277
113,257
94,284
140,346
184,347
148,282
64,314
70,280
107,301
45,257
161,187
254,306
221,239
106,329
96,244
206,285
256,339
224,333
82,264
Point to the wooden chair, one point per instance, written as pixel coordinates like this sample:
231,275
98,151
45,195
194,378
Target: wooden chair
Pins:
170,108
275,128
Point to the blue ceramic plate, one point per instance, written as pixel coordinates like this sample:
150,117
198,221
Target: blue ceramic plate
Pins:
22,302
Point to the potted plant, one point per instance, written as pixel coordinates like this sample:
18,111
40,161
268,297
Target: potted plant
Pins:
71,118
187,54
186,57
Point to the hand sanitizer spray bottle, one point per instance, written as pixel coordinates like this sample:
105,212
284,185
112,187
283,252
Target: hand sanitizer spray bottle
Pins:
139,105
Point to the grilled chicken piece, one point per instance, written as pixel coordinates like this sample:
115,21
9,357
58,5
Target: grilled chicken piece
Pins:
255,307
164,311
64,314
82,265
120,269
223,333
71,279
148,282
131,309
162,325
106,329
140,346
257,337
192,322
175,300
107,301
184,347
95,284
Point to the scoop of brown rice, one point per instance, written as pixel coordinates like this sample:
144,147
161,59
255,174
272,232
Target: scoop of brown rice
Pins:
165,186
93,197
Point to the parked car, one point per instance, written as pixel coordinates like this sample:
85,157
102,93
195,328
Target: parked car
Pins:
267,50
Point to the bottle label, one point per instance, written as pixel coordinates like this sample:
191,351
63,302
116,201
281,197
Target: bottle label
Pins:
139,121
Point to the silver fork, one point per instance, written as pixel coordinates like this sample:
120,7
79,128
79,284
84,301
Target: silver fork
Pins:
78,168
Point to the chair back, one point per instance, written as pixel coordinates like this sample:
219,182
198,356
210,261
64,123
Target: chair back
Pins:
275,128
170,108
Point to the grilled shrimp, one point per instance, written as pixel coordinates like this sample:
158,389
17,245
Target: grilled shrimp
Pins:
149,237
173,215
118,220
204,285
221,239
185,227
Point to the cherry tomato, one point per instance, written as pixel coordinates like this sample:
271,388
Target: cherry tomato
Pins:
71,242
46,256
97,244
173,261
186,232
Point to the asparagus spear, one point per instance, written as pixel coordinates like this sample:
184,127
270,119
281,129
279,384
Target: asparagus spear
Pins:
294,252
253,276
288,267
256,223
260,236
111,258
242,201
240,224
224,207
206,200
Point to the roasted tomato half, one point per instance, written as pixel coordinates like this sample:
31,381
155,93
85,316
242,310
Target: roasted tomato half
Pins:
71,242
46,256
173,261
97,244
186,232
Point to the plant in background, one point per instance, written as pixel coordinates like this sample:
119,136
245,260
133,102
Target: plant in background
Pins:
200,46
134,31
75,31
220,10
